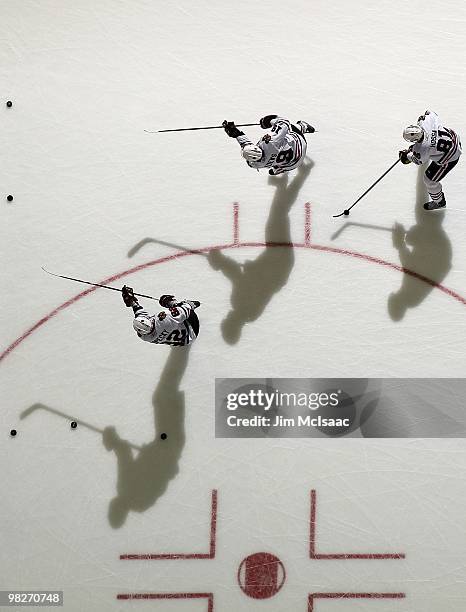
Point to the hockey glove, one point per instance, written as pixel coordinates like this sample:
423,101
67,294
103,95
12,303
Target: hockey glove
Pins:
167,301
128,296
404,157
266,122
231,129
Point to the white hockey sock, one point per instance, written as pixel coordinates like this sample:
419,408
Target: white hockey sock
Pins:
436,197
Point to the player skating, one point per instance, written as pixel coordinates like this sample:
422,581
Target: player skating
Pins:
281,150
435,143
177,327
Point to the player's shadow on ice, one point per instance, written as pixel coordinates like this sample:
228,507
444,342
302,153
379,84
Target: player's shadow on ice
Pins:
143,476
425,249
255,281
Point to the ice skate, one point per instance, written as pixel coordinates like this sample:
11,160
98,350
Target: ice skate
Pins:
436,204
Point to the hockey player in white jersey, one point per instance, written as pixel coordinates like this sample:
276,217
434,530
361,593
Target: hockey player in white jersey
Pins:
177,327
281,150
435,143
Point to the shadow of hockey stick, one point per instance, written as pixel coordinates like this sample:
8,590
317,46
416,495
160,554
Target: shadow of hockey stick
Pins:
39,406
364,225
145,241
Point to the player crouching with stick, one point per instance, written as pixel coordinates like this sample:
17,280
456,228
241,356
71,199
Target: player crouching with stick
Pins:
435,143
281,151
177,327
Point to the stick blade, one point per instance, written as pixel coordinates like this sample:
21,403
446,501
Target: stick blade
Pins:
30,410
335,235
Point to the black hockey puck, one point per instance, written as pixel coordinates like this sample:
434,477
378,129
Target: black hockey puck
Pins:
346,213
13,432
163,436
9,103
73,424
9,198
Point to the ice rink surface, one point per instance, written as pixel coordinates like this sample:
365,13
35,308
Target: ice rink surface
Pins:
352,524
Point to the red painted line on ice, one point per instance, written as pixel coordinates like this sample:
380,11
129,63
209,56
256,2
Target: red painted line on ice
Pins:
208,596
335,556
368,258
453,294
172,556
236,223
106,281
307,224
313,596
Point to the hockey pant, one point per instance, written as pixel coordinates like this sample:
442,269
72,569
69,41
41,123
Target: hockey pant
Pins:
432,177
193,322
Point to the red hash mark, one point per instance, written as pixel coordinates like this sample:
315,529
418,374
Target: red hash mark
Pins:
333,556
208,596
307,224
236,223
171,556
313,596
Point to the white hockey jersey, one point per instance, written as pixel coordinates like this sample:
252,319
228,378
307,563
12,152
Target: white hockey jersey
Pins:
169,326
282,150
440,144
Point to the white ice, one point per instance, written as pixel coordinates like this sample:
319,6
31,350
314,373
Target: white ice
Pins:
89,185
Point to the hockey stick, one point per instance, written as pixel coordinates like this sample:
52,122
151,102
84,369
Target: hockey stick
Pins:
211,127
38,406
346,211
77,280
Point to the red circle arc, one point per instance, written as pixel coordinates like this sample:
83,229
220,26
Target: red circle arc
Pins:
235,245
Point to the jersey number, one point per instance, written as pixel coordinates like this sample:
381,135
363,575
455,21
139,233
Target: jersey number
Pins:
177,337
285,156
444,145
